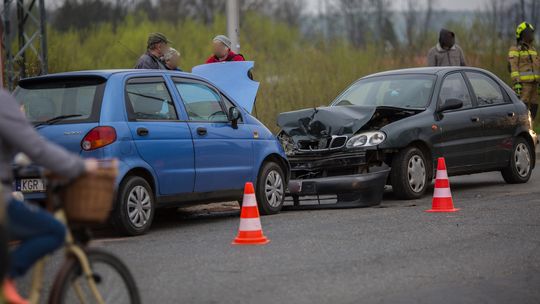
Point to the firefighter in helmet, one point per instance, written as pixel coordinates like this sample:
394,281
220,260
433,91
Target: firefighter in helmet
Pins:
524,65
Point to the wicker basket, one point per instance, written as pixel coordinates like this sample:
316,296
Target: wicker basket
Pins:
90,197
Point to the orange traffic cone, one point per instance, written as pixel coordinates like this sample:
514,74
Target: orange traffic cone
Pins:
442,197
250,230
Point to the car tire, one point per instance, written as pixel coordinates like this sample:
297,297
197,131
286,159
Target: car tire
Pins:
270,188
410,174
134,212
520,165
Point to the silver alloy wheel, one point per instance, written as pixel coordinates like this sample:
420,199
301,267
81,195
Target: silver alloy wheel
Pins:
139,206
273,188
522,159
416,173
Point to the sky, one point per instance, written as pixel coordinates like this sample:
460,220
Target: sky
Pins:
453,5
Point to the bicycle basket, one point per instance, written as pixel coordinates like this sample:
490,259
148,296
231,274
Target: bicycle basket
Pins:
90,197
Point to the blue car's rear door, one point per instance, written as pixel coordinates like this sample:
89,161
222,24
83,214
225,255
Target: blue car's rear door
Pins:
223,154
162,140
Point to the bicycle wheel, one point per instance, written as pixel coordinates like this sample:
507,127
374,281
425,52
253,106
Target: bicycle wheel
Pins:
113,280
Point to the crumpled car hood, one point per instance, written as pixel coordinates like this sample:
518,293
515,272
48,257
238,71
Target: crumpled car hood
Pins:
317,128
325,121
232,78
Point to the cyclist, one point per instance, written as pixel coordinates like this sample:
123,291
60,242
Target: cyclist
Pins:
38,231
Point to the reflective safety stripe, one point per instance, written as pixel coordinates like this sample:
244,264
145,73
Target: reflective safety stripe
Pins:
249,200
253,224
529,77
441,174
522,53
442,192
514,74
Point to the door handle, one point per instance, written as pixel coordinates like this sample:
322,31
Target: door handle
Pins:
142,131
475,119
510,114
201,131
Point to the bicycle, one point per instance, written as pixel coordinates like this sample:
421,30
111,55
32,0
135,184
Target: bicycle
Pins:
86,273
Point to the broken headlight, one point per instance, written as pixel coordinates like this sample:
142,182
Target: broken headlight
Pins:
366,139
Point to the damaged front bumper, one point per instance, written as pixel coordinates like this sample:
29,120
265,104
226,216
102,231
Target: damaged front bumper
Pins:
347,191
337,180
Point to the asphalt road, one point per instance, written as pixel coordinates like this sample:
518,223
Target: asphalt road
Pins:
488,252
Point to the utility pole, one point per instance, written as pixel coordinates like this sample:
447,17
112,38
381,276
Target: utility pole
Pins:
233,24
31,36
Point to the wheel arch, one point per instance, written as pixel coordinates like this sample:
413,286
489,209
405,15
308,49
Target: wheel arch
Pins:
283,163
420,144
143,173
529,140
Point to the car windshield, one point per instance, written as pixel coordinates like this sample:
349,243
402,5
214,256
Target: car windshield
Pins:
71,100
403,91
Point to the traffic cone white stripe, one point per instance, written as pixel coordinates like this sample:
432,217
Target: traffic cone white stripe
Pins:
441,174
442,192
250,224
249,200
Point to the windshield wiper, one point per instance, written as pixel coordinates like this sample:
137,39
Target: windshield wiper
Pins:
55,119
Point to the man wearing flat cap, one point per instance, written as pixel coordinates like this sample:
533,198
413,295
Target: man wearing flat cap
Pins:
156,47
222,50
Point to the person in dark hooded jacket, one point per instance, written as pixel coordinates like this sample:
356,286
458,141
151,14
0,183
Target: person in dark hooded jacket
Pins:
446,52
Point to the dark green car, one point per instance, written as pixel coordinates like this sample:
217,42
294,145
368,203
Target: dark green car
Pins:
405,120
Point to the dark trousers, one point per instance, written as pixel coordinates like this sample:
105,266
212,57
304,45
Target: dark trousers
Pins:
39,232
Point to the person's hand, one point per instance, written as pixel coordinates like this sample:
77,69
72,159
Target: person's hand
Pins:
517,88
91,165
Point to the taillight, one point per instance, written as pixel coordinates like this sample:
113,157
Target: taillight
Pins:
98,137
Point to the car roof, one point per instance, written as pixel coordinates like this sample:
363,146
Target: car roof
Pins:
425,70
106,74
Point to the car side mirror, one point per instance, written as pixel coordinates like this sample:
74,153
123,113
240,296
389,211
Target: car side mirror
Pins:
451,104
234,116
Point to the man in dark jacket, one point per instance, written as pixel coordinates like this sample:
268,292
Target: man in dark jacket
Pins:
37,230
157,45
222,51
446,52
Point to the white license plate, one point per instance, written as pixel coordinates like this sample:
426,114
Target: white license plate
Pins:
32,185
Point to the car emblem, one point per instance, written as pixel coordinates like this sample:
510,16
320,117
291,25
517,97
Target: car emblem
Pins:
72,133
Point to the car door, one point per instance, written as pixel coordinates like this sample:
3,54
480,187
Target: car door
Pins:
461,129
223,154
162,140
498,115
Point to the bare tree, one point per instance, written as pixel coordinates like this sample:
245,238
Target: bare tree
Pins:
384,28
289,11
353,14
418,20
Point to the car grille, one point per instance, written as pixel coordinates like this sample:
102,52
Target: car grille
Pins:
336,142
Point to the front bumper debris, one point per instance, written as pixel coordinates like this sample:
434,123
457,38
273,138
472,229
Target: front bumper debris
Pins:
345,191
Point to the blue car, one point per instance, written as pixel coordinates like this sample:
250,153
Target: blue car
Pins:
179,138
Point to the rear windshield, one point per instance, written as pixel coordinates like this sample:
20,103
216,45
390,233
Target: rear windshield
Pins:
43,100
